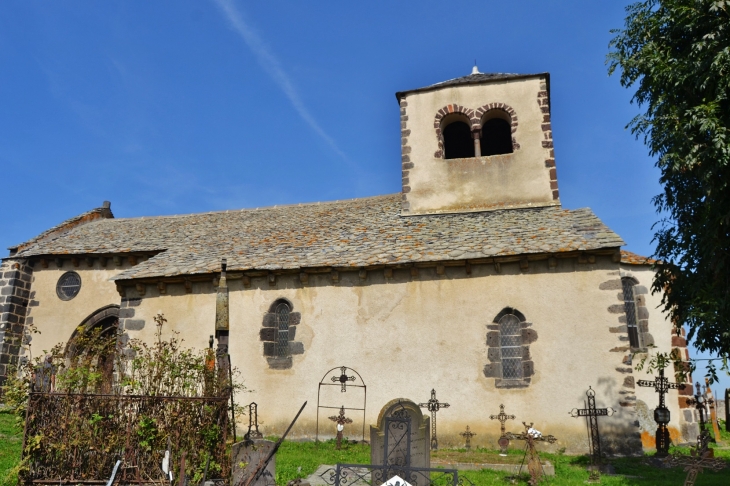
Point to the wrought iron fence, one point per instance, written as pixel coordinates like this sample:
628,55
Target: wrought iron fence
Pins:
79,437
372,474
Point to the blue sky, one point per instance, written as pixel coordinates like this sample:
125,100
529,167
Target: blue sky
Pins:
193,106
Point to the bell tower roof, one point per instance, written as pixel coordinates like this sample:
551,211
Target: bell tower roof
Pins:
474,78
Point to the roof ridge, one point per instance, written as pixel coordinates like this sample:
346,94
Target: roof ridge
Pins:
475,78
260,208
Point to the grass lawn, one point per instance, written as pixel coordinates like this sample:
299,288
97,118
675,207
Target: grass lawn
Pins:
300,459
11,441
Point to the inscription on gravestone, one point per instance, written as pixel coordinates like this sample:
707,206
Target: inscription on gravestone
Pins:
408,441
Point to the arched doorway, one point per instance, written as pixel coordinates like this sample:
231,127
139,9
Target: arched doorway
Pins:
94,344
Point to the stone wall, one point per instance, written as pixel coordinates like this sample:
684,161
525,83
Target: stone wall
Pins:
526,177
15,293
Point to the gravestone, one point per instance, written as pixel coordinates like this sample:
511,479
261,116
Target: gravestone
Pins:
246,457
401,436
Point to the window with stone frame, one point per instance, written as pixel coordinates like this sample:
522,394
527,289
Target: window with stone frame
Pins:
278,333
508,350
628,285
496,133
458,140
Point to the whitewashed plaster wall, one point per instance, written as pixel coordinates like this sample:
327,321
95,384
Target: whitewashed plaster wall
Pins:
410,334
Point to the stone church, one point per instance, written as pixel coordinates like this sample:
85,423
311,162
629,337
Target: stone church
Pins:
473,281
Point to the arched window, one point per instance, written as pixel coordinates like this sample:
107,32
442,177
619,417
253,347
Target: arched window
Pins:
278,333
510,347
282,325
627,284
458,141
496,133
508,350
95,343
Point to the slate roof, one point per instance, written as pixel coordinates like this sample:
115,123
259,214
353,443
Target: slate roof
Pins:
631,258
471,79
103,212
353,233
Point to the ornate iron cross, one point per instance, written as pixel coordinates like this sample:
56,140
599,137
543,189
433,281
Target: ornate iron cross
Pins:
593,413
503,440
343,379
530,436
700,403
434,406
340,420
467,435
253,423
661,413
700,457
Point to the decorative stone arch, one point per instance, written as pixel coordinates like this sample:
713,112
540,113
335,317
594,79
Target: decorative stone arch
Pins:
510,331
483,111
447,110
276,327
106,320
97,316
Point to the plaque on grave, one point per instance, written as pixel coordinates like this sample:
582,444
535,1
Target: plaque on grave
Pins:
401,436
396,481
245,458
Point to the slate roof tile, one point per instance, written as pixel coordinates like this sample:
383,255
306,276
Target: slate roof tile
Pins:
351,233
469,79
631,258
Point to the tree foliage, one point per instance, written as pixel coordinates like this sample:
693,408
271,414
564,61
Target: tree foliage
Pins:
676,54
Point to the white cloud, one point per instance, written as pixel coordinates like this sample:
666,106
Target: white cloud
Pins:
274,69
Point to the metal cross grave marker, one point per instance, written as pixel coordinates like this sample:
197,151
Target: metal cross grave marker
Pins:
593,413
343,379
467,435
503,440
700,403
700,457
530,436
434,406
661,413
253,423
340,420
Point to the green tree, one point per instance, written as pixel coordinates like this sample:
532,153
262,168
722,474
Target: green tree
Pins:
676,54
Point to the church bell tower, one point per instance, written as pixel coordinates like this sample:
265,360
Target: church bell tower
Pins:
481,142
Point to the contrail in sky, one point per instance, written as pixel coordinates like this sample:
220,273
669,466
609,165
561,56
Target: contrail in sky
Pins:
273,67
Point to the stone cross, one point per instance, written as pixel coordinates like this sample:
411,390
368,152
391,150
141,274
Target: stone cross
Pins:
343,379
593,413
530,436
434,406
503,440
467,435
340,420
661,413
253,423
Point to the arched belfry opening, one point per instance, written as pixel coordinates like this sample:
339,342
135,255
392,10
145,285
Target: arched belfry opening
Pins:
458,140
94,344
496,136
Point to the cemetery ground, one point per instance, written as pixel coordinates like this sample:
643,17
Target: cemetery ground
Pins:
297,459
